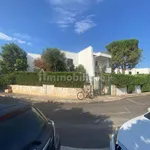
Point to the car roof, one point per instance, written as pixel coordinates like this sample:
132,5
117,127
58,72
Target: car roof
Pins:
7,111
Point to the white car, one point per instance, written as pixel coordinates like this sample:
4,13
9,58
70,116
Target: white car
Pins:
133,135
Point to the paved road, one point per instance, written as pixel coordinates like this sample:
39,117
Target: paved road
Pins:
88,126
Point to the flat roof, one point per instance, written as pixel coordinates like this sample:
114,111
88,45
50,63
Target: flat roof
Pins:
102,54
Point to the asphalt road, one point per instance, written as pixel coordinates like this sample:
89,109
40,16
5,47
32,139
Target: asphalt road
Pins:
89,125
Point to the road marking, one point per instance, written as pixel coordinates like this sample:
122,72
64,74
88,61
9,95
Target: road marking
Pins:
116,113
70,148
126,109
136,102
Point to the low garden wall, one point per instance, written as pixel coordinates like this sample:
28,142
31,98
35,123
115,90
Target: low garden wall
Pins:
115,91
46,90
69,84
121,91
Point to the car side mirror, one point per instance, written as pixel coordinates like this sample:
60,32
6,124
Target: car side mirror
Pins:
53,124
148,109
57,141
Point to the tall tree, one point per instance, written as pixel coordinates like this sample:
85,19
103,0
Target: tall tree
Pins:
80,68
13,58
125,53
56,59
71,68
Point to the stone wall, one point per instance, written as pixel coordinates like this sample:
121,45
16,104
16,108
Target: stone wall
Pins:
118,91
46,90
123,91
31,90
66,92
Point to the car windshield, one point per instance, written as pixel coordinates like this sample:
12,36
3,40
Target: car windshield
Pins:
147,115
17,132
120,146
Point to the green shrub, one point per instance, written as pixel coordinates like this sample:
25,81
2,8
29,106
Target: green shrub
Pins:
145,87
130,81
59,79
130,88
120,80
2,82
6,80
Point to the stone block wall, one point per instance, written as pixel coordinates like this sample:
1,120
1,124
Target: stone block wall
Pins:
31,90
46,90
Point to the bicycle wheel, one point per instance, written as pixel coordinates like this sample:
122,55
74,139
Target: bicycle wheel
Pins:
80,96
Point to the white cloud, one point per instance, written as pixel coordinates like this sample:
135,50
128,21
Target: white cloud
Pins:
68,13
19,41
64,17
146,140
84,25
6,37
22,36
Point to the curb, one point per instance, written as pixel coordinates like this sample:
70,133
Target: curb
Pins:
100,99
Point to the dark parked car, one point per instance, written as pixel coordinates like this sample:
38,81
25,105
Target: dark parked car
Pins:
24,127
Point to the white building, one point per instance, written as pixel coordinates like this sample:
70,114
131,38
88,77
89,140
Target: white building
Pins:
135,71
91,61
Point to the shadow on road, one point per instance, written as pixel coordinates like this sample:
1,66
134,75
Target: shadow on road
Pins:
78,128
10,101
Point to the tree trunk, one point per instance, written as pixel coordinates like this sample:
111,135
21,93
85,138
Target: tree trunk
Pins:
123,67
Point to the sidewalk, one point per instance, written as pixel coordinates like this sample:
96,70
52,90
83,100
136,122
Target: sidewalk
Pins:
35,99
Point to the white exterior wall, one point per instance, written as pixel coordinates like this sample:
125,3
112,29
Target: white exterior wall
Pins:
140,70
108,63
87,60
135,71
73,56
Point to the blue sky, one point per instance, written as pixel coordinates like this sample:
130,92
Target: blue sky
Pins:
75,24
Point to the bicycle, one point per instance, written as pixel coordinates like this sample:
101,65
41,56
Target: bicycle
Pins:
85,94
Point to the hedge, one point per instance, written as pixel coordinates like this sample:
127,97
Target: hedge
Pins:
59,79
130,81
145,87
34,79
27,78
6,80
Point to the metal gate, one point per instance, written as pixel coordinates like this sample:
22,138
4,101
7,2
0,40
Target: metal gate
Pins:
102,85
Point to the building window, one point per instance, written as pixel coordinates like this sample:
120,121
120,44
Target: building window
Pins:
70,65
95,74
96,63
130,72
138,73
69,61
